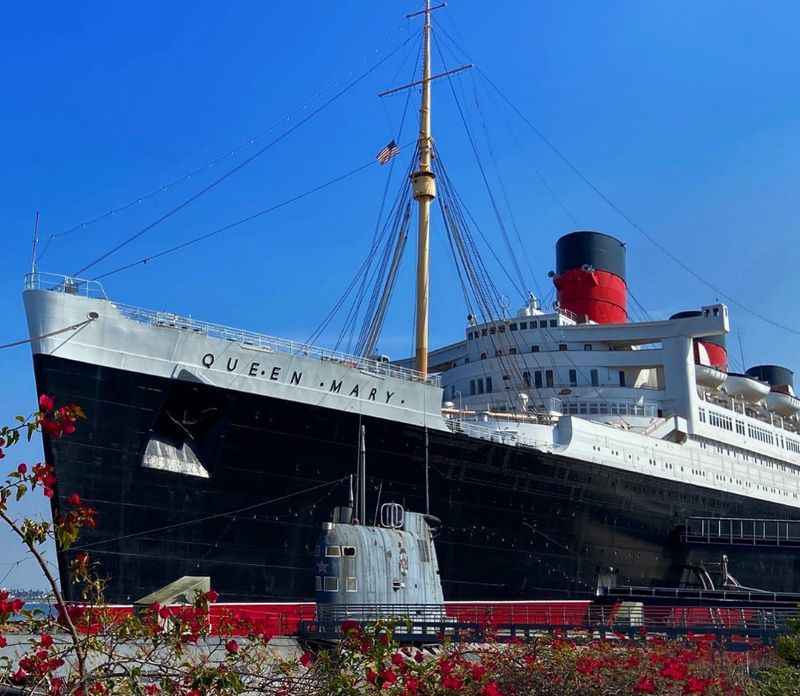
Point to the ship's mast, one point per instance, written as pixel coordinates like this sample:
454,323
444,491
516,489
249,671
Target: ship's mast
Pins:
424,186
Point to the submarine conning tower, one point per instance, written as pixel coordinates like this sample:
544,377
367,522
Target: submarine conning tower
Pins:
708,350
590,277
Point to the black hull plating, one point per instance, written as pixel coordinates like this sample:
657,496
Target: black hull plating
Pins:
517,524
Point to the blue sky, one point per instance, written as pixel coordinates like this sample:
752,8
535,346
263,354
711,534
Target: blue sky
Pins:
686,114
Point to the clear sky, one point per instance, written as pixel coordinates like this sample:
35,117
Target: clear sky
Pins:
685,113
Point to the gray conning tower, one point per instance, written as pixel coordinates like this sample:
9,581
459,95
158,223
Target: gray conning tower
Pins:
391,563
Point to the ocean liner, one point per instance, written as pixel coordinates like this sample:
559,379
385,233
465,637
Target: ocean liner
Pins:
555,445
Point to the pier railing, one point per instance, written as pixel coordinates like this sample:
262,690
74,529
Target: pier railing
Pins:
501,621
168,320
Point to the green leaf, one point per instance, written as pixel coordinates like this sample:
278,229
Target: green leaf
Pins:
22,489
21,419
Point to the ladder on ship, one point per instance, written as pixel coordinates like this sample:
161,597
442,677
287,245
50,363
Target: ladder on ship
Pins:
738,531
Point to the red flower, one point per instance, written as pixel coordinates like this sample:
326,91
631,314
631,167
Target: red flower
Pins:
587,665
445,667
19,676
151,689
74,499
46,640
164,612
351,627
371,675
695,685
491,689
48,492
388,676
232,647
3,642
306,659
212,596
398,659
412,686
46,402
674,670
645,685
22,469
478,671
17,605
419,656
452,682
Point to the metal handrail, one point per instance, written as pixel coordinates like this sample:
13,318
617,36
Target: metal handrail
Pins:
92,288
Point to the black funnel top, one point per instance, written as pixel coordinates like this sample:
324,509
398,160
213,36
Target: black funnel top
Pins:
774,375
595,249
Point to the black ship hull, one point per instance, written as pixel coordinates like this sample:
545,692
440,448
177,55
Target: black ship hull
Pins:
517,524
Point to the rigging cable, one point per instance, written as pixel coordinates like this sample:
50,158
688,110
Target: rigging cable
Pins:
193,172
611,204
617,209
215,516
243,163
241,221
521,287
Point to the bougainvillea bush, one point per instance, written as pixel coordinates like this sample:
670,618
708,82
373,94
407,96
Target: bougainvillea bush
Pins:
91,648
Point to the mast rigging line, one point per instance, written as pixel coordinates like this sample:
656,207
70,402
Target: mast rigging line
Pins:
172,211
617,209
241,221
188,175
217,515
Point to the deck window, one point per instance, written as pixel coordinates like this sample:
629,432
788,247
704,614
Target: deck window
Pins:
350,585
331,583
332,551
548,378
348,551
573,378
595,378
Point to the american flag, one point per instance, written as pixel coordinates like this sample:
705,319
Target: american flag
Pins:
388,152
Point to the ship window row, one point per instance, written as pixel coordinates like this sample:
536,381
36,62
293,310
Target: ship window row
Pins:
513,326
330,583
753,431
613,408
480,386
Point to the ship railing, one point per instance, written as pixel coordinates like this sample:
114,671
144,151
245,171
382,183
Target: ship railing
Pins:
504,436
274,344
68,285
93,289
739,531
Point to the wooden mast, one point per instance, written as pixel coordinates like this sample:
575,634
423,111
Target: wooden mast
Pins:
424,187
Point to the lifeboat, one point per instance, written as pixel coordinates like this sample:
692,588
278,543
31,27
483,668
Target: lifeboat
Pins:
746,387
781,398
709,376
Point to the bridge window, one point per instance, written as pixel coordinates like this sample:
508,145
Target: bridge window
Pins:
573,378
587,346
562,346
512,326
548,377
523,325
472,387
512,351
526,377
537,379
488,384
534,349
621,378
594,377
553,323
